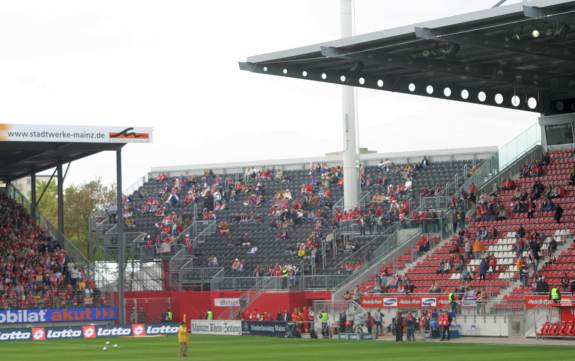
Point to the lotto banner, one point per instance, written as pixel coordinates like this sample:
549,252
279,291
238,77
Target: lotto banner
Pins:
36,316
86,332
73,134
407,301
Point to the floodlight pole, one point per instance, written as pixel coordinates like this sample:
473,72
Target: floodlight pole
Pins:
120,235
350,157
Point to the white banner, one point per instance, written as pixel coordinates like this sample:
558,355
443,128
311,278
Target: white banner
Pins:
73,134
217,327
226,302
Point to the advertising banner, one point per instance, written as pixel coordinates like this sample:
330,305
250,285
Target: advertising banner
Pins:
73,134
226,302
429,302
543,301
86,332
407,301
217,327
567,314
35,316
265,328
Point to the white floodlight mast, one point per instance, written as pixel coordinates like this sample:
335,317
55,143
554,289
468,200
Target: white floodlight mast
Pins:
351,184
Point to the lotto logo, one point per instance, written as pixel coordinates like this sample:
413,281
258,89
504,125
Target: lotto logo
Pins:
89,331
39,334
138,330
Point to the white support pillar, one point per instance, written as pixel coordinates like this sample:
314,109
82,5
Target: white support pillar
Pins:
351,184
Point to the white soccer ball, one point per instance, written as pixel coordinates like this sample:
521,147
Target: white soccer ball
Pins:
104,348
107,342
115,346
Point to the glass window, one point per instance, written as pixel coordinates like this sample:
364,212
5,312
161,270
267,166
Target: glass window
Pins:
559,134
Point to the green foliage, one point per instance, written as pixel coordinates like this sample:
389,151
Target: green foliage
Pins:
79,203
48,205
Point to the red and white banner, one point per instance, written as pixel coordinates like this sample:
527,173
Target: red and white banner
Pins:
407,301
543,301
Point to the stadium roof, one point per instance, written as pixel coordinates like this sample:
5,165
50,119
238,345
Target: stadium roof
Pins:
520,56
28,149
20,159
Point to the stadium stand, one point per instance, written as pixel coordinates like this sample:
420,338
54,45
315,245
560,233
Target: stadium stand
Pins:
267,219
519,227
35,271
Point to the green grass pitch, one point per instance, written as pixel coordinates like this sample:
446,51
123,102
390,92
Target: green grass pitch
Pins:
216,348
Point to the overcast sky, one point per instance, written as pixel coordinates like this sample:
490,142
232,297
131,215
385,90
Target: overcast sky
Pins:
173,65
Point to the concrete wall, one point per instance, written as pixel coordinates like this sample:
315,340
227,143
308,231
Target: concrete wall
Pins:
441,155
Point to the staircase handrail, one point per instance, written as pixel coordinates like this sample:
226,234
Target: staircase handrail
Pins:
378,237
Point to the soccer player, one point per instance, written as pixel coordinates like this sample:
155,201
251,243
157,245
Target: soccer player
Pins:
183,339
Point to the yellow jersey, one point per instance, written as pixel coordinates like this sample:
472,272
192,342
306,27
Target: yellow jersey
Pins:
183,334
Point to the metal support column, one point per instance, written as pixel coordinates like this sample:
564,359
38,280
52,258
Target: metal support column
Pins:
120,235
33,195
60,191
350,158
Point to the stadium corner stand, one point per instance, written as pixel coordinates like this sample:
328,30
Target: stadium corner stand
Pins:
26,150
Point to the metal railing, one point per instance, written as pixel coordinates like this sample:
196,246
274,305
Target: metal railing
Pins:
437,202
198,275
136,185
533,154
363,201
388,235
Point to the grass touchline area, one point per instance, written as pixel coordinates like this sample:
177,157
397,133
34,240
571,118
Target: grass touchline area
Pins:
226,348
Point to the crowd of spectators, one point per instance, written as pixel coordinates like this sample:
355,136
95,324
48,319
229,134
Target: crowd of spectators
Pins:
173,201
34,270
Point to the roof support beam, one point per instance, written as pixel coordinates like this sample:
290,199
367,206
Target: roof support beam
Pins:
499,3
535,12
465,71
471,39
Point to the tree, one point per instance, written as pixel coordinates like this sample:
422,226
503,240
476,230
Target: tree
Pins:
48,205
79,203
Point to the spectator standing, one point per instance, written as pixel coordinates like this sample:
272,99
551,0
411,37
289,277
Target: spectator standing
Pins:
444,323
398,327
410,327
378,321
558,214
482,269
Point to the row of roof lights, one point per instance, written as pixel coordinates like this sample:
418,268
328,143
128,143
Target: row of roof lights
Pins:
481,96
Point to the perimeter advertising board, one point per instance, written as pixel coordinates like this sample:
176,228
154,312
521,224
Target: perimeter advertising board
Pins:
265,328
407,301
38,315
216,327
85,332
